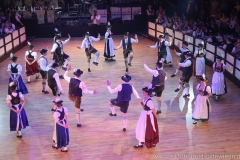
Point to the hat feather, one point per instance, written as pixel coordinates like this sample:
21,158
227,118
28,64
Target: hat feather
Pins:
28,43
56,29
109,23
11,55
203,76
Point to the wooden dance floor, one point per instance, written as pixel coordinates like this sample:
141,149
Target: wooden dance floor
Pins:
101,136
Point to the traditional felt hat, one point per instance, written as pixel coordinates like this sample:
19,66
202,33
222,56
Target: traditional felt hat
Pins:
87,34
200,45
148,90
30,46
188,53
203,78
186,43
57,32
108,25
219,57
126,78
166,33
58,37
126,33
159,64
42,51
57,101
13,58
77,72
55,65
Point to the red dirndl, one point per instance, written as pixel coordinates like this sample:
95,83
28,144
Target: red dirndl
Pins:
31,69
151,137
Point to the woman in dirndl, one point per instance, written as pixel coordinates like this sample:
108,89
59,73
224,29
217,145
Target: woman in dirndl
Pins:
31,63
219,86
199,54
14,71
147,126
202,105
60,134
18,117
109,51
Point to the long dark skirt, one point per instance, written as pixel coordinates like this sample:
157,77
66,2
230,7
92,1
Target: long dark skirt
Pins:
22,122
62,135
151,137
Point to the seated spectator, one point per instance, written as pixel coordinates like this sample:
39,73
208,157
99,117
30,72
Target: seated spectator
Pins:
159,11
37,7
195,25
160,20
189,30
176,26
150,13
9,27
212,39
164,16
220,37
205,30
198,33
170,23
183,22
224,20
228,46
233,24
236,49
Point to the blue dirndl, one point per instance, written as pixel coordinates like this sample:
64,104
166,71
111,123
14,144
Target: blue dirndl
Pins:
20,85
18,122
62,135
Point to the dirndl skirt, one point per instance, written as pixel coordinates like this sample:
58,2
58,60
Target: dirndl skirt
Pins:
62,135
20,85
18,121
32,69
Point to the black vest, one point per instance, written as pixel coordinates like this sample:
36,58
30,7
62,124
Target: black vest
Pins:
156,81
204,93
162,48
15,100
125,93
74,87
182,56
146,108
59,49
14,69
109,35
61,117
188,71
51,79
129,45
218,70
200,55
229,47
30,55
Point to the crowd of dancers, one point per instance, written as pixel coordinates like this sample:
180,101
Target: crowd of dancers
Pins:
147,126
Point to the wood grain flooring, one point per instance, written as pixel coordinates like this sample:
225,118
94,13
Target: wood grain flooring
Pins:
101,136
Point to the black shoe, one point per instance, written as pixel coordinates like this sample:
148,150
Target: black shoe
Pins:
159,112
45,92
124,129
126,69
113,59
81,109
61,77
64,68
89,70
59,94
129,64
19,136
170,65
195,122
79,125
64,150
110,114
54,147
186,95
138,146
28,81
37,76
95,63
176,90
173,75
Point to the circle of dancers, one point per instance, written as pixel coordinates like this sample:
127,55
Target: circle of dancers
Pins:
147,132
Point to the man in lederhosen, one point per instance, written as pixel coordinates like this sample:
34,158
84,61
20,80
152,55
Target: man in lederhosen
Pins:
44,67
54,82
126,43
158,82
181,54
58,54
76,88
124,91
187,71
162,48
88,44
